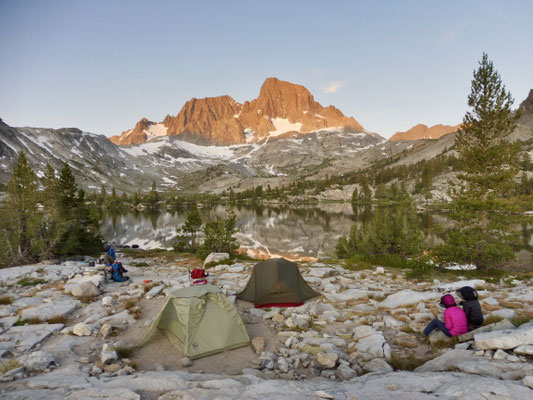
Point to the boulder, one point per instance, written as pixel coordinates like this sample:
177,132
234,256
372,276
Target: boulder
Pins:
85,289
528,381
391,322
499,355
82,329
506,339
377,365
37,361
108,301
215,257
50,310
498,326
345,373
105,330
375,345
154,291
94,393
321,272
507,313
525,349
326,360
184,362
362,331
350,294
108,356
406,297
258,344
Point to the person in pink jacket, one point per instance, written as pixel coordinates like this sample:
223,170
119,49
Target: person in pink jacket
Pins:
455,322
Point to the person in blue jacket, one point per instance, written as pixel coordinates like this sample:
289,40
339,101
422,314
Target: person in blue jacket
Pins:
109,256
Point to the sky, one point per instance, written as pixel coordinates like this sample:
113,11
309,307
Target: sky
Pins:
103,65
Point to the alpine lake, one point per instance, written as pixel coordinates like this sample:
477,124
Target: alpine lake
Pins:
304,232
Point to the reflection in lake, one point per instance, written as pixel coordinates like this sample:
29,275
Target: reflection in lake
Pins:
291,231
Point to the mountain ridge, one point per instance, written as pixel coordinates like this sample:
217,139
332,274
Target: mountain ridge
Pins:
281,107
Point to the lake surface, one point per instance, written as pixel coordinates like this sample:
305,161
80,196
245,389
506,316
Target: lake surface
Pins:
295,232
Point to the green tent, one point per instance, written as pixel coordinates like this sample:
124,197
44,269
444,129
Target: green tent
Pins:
200,321
277,283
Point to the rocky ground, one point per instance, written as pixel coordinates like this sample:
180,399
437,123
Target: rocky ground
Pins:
66,333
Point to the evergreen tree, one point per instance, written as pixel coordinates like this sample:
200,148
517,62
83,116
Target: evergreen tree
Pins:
489,161
51,224
355,195
188,237
152,199
21,221
483,235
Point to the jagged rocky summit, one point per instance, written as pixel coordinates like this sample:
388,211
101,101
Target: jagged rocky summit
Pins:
422,131
281,107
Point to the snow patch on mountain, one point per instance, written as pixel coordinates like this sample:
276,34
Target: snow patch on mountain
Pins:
283,125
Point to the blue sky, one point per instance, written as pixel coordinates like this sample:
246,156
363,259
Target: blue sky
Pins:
103,65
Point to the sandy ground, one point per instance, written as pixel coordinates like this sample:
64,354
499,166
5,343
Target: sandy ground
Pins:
159,350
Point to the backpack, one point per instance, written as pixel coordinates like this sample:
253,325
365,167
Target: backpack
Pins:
198,273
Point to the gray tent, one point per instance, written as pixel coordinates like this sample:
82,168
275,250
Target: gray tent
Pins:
277,283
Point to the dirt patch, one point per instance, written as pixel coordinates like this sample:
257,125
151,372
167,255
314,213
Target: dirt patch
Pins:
159,350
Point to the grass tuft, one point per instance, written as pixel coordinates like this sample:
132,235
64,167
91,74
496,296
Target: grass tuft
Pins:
30,281
492,319
520,320
5,300
58,319
8,366
405,363
124,351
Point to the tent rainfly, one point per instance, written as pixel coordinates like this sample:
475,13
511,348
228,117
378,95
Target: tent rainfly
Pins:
200,321
276,283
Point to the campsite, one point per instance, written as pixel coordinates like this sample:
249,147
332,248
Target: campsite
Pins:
358,326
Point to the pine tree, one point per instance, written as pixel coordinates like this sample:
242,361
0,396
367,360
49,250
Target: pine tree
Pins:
489,161
483,235
52,220
20,220
187,239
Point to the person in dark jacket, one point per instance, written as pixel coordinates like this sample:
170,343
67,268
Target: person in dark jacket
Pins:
471,306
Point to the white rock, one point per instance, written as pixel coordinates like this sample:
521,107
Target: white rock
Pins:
108,356
528,381
96,279
82,329
326,360
37,361
105,330
506,339
236,268
350,294
491,301
504,313
321,272
108,301
380,270
362,331
215,257
53,309
377,365
345,373
526,350
283,365
85,289
391,322
499,355
448,287
101,394
406,297
375,345
154,291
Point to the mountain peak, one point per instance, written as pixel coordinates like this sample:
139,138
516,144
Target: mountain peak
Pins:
280,107
527,104
421,131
